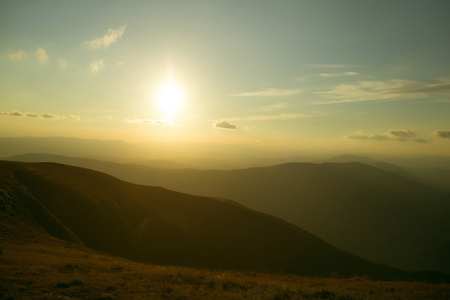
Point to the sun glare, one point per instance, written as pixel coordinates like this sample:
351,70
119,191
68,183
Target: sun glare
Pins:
169,99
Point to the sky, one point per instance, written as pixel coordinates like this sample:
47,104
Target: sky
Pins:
353,76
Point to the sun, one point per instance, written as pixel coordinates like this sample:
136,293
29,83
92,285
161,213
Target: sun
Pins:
169,99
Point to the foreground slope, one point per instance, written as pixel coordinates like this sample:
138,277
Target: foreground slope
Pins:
34,265
154,225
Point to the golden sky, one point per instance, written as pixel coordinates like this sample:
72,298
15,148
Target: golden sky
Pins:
355,76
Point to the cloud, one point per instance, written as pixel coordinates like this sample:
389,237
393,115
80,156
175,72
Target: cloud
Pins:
271,93
14,113
110,37
96,66
17,55
338,74
444,134
47,116
394,89
72,117
275,106
62,63
41,55
224,124
17,113
162,122
401,135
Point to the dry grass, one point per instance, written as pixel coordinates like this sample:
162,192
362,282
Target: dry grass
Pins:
39,267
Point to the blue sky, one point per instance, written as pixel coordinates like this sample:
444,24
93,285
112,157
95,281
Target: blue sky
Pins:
371,76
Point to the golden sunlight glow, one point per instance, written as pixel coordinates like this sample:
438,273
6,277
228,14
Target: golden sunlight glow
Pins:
169,99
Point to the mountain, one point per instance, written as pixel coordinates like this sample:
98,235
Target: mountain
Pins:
105,149
376,214
161,155
431,170
158,226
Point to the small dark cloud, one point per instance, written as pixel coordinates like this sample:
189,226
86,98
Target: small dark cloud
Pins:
224,124
444,134
402,134
12,113
47,116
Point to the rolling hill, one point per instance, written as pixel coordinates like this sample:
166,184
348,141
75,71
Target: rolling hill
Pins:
376,214
158,226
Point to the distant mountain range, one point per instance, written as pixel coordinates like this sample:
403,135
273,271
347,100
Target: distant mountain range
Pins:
195,155
381,215
431,170
155,225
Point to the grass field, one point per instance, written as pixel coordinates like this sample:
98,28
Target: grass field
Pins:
36,266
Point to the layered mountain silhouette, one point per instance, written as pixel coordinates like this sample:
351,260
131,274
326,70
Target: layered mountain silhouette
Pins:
377,214
155,225
434,171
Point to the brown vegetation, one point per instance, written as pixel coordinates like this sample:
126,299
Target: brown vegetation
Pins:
34,265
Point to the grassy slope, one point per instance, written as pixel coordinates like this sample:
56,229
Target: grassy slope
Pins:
154,225
35,265
376,214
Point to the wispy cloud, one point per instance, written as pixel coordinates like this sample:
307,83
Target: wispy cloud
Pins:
401,135
96,66
62,63
271,117
76,118
162,122
338,74
395,89
41,55
444,134
17,113
225,125
47,116
14,113
275,106
16,56
271,93
110,37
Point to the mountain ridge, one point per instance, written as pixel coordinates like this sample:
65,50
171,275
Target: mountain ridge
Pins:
170,227
377,214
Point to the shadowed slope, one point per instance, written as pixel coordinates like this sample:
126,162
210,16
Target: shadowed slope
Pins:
379,215
151,224
34,265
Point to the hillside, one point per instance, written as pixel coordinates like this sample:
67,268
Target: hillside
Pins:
34,265
376,214
154,225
